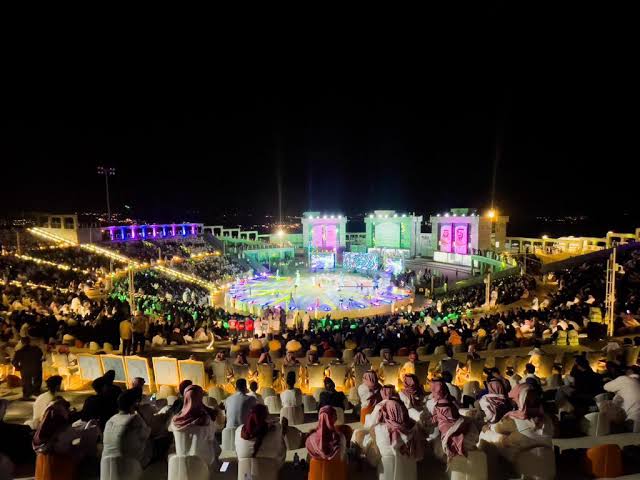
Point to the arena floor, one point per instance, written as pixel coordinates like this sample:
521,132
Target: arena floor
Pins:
345,294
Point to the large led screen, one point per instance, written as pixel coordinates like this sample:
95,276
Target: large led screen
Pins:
352,261
323,261
394,265
387,234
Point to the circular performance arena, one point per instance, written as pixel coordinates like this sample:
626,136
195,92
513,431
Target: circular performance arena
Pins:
336,293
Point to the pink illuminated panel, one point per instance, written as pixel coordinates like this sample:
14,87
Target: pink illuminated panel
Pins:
445,237
461,239
324,236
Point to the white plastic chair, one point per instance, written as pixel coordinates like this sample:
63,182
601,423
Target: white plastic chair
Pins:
229,439
309,404
191,467
471,467
273,404
595,424
339,415
262,468
267,392
218,393
295,415
538,464
120,468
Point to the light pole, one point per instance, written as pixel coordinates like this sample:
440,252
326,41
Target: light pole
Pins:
107,172
487,294
612,269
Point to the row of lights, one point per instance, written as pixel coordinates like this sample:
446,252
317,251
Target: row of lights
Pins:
198,256
131,263
49,236
184,276
32,285
490,214
60,266
109,254
461,215
326,216
395,215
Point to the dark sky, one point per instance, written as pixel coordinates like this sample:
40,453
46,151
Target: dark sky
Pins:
422,139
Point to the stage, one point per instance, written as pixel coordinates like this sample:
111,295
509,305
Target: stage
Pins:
340,294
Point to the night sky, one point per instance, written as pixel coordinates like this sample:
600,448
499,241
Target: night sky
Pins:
424,140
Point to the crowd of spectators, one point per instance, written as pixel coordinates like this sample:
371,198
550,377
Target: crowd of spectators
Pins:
73,256
16,269
152,250
414,420
211,268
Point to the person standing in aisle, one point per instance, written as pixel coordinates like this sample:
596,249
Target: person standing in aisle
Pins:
126,334
28,361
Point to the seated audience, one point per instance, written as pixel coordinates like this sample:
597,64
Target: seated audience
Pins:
369,393
327,448
60,447
397,436
627,392
194,429
125,437
44,399
331,397
237,406
258,438
457,434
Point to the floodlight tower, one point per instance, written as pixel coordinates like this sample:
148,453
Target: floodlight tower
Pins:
107,172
